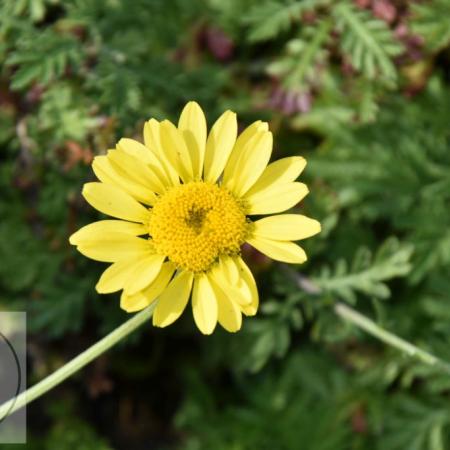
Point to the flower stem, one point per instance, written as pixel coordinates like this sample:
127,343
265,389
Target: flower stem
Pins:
77,363
366,324
64,372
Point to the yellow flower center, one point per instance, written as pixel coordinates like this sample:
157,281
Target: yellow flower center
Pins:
195,223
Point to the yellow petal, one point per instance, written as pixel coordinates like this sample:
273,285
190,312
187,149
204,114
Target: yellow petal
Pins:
231,167
146,156
237,291
228,312
114,176
192,125
283,171
230,269
251,163
152,139
115,247
104,171
136,149
116,275
135,302
173,300
142,299
174,144
286,227
219,145
279,250
113,201
204,304
249,282
136,169
276,198
144,273
101,228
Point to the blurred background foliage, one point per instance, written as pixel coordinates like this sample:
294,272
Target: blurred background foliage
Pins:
361,89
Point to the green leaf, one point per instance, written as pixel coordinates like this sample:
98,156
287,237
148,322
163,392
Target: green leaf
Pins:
367,41
299,66
430,20
367,274
56,54
34,9
267,20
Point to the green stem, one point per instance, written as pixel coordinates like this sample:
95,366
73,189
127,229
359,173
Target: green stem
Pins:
77,363
57,377
372,328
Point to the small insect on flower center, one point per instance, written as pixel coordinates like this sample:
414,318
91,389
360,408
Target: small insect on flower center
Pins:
195,223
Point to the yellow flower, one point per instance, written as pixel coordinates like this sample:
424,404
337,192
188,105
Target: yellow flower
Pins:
184,201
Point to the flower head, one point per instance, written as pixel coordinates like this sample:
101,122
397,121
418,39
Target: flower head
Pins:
183,204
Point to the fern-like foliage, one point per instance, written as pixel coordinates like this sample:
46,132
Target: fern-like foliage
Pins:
63,115
416,424
299,300
269,19
367,274
364,45
281,400
367,41
406,153
34,9
299,67
336,109
271,336
61,53
87,72
431,21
